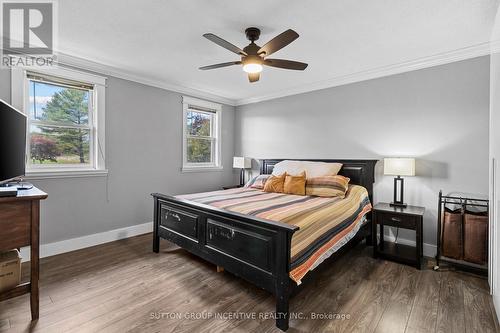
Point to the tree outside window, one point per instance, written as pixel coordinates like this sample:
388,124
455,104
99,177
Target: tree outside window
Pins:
60,124
201,137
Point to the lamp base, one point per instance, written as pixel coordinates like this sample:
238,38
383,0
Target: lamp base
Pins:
398,195
242,177
397,204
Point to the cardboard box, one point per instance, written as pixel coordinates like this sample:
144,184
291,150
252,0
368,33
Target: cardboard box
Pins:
10,270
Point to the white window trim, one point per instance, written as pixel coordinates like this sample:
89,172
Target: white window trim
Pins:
202,167
19,99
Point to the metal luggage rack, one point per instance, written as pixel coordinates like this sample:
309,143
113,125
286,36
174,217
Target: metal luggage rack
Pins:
464,203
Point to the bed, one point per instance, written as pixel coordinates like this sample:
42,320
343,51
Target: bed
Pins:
271,240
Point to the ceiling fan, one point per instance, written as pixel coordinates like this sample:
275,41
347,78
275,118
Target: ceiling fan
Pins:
254,56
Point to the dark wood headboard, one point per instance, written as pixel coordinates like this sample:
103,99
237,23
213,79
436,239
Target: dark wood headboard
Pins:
361,172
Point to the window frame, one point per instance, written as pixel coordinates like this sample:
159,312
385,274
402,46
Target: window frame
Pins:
96,122
215,110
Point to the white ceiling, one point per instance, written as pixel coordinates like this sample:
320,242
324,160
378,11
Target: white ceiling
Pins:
161,41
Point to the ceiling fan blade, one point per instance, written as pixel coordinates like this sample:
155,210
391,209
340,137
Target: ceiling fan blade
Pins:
225,44
253,77
279,42
286,64
224,64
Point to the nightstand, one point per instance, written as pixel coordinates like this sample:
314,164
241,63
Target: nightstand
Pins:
231,186
410,217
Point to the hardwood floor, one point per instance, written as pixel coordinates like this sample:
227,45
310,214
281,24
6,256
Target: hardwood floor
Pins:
124,287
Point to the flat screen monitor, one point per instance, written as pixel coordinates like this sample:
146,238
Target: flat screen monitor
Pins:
12,143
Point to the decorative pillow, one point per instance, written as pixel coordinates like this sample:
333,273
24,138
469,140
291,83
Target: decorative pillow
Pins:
295,184
327,186
275,184
312,169
258,182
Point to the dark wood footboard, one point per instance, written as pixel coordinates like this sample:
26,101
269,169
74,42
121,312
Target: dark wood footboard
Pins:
255,249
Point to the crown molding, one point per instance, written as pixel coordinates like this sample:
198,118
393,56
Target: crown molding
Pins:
74,62
495,46
407,66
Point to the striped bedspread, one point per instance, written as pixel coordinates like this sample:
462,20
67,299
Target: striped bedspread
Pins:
326,224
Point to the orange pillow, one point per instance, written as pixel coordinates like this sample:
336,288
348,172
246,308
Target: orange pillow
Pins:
275,184
295,184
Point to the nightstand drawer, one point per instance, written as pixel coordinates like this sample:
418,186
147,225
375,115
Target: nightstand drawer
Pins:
397,220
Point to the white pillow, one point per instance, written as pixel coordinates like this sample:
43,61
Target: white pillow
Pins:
312,169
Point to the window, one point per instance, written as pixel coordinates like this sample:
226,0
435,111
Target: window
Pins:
201,135
65,121
60,123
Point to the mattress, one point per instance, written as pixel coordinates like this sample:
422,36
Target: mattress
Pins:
326,224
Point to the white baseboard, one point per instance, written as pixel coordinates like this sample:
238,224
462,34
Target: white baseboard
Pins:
430,250
51,249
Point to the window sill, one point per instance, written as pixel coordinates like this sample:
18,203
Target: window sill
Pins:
201,169
59,174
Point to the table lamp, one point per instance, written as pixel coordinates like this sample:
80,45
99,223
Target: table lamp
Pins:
242,163
399,166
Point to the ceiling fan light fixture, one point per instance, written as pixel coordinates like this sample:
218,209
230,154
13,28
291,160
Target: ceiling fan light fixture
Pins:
254,57
252,68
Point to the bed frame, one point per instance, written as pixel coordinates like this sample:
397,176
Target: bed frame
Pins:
255,249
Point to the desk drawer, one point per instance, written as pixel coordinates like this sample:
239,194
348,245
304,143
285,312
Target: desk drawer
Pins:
15,225
178,220
397,220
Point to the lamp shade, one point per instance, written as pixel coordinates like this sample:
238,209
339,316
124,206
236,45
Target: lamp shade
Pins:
399,166
242,162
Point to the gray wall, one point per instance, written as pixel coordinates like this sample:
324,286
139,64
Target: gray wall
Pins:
143,155
438,115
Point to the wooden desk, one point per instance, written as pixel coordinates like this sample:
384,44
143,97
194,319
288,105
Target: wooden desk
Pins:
19,227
